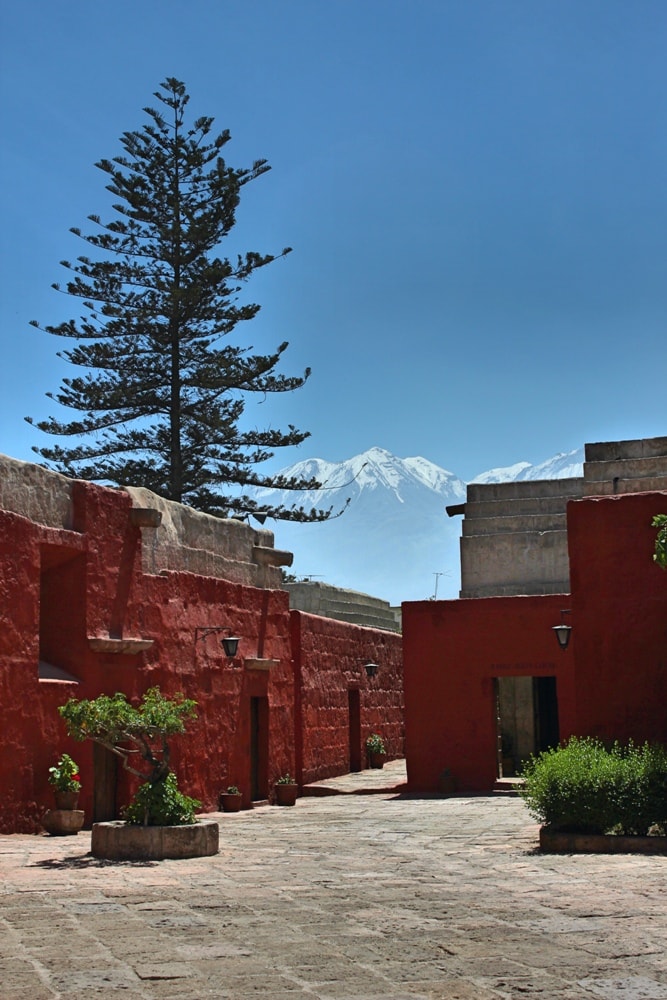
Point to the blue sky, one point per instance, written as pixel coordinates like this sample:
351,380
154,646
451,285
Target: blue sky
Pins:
474,191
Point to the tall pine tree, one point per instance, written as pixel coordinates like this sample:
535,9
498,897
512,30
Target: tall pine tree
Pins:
164,391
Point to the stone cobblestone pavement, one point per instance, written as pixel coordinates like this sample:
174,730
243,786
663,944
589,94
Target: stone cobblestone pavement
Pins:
366,897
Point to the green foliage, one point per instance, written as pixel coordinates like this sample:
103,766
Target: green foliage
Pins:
660,554
286,779
126,730
160,803
162,391
233,790
65,775
585,787
375,744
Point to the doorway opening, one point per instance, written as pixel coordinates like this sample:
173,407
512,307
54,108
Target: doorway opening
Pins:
105,779
259,749
354,726
526,720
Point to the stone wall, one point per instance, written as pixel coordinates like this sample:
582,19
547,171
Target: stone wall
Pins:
343,605
174,537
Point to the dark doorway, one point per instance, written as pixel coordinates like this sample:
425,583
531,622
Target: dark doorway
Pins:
105,777
354,715
546,713
527,720
259,748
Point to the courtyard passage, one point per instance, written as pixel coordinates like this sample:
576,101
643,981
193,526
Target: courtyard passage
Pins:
364,896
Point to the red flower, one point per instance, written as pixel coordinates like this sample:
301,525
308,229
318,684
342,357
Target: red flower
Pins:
75,777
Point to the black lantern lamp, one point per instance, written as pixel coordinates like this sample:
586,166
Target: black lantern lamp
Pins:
371,669
563,631
229,642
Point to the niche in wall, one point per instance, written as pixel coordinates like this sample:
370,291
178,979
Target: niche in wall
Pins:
62,611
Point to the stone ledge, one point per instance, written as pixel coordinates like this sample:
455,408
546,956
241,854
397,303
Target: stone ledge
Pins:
258,663
119,841
554,842
127,647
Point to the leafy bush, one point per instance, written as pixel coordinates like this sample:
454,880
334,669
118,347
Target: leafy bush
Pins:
641,791
159,803
584,787
660,554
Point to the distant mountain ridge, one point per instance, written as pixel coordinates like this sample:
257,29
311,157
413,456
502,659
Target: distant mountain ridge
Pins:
395,540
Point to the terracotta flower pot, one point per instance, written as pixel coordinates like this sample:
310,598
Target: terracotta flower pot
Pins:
230,802
66,800
377,759
286,794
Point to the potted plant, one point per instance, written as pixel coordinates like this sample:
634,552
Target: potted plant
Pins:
66,782
286,790
376,750
65,818
230,801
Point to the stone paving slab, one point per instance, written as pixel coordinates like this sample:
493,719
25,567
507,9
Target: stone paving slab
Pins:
348,897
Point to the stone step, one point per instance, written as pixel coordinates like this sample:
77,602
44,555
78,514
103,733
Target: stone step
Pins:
611,451
357,617
518,523
626,469
520,505
539,488
621,486
508,786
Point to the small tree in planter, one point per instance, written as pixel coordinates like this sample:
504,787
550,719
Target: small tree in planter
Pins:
140,736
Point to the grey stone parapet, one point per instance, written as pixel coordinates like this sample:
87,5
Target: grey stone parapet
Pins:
516,522
612,451
350,606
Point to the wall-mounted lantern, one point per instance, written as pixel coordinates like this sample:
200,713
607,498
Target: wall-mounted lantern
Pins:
371,669
563,631
229,642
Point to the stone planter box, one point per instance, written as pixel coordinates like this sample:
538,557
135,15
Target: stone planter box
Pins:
119,841
554,842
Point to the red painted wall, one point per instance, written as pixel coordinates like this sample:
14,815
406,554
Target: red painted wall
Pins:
611,681
619,617
452,651
58,588
329,662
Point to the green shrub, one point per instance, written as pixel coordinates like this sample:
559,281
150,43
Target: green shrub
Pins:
584,787
160,803
641,788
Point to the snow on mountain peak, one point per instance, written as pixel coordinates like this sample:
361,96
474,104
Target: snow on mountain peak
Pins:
502,475
395,534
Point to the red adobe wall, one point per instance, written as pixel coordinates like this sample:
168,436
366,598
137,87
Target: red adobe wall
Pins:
619,617
102,592
60,588
329,663
611,681
452,652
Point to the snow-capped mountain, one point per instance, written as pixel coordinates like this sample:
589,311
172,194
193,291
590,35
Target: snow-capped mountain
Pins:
395,540
565,465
